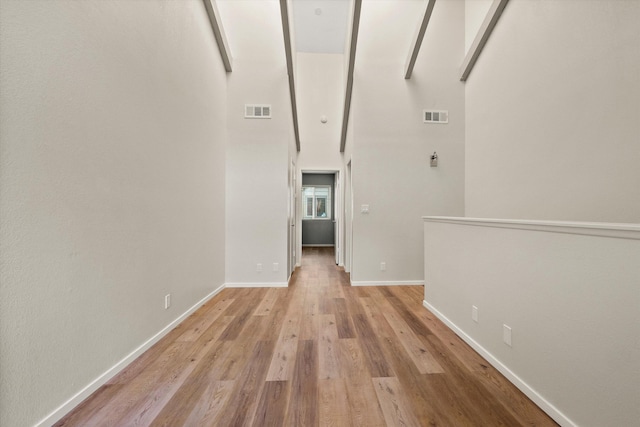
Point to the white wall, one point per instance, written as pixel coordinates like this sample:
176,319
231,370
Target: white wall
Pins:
474,13
320,89
112,138
258,150
553,108
391,144
569,292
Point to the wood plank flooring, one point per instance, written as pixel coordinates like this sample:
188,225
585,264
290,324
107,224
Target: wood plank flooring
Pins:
318,353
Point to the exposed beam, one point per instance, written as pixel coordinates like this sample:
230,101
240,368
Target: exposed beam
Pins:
352,59
284,12
413,54
218,32
484,32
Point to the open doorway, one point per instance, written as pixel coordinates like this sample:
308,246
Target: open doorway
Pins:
321,211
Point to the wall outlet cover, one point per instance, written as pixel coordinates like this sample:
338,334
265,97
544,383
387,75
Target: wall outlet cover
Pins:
506,335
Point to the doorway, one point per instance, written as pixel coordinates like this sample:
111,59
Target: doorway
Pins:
321,211
318,213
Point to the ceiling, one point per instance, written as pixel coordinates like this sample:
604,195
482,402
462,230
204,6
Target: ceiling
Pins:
321,25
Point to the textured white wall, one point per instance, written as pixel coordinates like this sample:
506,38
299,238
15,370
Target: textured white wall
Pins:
320,89
571,297
553,114
258,150
112,133
391,145
474,13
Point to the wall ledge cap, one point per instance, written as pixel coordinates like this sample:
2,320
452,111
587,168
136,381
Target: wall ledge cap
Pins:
603,229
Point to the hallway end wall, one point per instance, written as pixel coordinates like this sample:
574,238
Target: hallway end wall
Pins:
320,89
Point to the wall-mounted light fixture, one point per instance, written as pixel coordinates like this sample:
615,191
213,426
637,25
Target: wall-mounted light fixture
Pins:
434,160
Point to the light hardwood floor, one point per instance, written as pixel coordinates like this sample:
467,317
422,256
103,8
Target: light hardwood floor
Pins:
319,352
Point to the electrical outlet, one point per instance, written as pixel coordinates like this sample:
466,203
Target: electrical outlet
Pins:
506,335
167,301
259,267
383,266
474,313
276,266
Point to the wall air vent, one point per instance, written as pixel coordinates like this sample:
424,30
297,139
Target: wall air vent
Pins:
257,111
430,116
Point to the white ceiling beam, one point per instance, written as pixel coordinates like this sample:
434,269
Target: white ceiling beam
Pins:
352,59
284,12
218,33
417,43
484,32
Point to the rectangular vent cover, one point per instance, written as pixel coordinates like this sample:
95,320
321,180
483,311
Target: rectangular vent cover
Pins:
257,111
431,116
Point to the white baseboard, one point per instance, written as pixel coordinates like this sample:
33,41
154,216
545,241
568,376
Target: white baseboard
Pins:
70,404
257,285
388,283
547,407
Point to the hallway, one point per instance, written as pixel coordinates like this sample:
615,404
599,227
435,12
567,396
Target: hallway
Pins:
319,352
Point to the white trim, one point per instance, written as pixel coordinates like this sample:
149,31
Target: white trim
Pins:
388,283
318,172
79,397
547,407
257,285
602,229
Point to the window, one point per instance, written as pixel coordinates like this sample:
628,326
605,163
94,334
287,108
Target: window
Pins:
316,202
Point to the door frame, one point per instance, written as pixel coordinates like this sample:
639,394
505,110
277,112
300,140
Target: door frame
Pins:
339,213
348,218
292,220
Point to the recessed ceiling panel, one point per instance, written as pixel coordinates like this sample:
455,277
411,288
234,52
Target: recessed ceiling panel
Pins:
321,25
